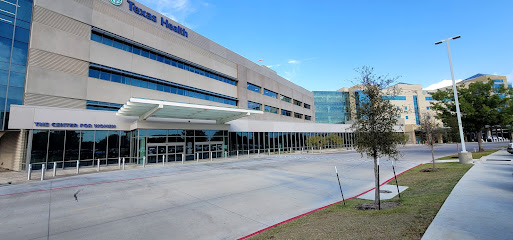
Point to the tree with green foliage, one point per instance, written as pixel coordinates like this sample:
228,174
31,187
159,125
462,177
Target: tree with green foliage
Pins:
315,141
429,131
333,140
376,118
481,104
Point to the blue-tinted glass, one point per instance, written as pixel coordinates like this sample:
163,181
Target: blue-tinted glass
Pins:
24,11
174,63
160,87
136,50
105,76
253,88
116,78
94,73
19,54
4,65
15,96
167,61
10,8
17,79
117,44
107,40
5,49
173,90
22,35
127,47
3,77
18,68
96,37
135,82
331,107
153,56
179,91
143,84
160,58
186,67
167,89
180,65
145,53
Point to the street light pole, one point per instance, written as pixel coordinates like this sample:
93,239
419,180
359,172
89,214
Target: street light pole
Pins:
463,156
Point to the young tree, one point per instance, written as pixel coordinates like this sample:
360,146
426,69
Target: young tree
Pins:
429,129
481,103
375,120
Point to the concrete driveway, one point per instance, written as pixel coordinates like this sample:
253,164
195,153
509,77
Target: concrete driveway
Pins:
219,200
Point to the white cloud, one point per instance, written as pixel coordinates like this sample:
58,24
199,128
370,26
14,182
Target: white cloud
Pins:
441,84
294,61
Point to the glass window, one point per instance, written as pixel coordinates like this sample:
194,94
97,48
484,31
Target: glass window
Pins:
127,47
406,117
145,53
136,50
298,103
96,37
405,108
116,78
285,98
117,44
270,109
253,88
5,49
286,112
100,147
270,93
94,73
113,143
19,53
153,56
72,145
254,105
86,145
107,40
105,75
56,146
298,115
39,145
308,117
17,79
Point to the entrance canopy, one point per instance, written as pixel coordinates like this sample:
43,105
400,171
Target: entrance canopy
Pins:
145,108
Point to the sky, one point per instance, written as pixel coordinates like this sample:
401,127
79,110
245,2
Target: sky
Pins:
318,44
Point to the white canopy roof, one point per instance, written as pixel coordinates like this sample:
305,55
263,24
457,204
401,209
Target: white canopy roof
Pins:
145,108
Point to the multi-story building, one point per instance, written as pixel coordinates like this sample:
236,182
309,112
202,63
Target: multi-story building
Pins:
332,106
83,80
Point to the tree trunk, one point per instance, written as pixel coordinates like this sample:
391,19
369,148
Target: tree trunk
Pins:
433,155
479,137
376,181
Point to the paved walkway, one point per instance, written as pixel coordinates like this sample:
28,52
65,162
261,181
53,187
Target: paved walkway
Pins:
481,205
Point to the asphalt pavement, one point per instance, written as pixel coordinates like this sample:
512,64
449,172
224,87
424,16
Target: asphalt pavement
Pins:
226,199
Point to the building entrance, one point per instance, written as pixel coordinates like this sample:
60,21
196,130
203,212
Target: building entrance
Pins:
204,149
168,152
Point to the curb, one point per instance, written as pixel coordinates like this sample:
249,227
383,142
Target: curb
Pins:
315,210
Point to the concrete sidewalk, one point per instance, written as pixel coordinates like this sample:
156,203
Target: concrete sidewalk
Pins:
481,205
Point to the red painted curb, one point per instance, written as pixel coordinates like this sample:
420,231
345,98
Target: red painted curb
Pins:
315,210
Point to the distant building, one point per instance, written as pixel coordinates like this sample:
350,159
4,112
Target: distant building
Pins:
331,107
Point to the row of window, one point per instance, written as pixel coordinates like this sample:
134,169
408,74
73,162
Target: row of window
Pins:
139,49
272,94
104,106
128,78
270,109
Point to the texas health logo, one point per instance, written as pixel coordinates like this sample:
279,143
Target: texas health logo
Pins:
116,2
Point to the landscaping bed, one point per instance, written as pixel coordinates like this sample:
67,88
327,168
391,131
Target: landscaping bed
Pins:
408,220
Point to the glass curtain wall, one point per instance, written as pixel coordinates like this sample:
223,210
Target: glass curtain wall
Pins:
66,147
15,18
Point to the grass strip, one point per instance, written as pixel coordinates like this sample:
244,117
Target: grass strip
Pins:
475,155
420,203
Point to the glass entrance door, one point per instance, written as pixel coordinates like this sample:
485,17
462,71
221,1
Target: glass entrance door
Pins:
169,152
204,149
